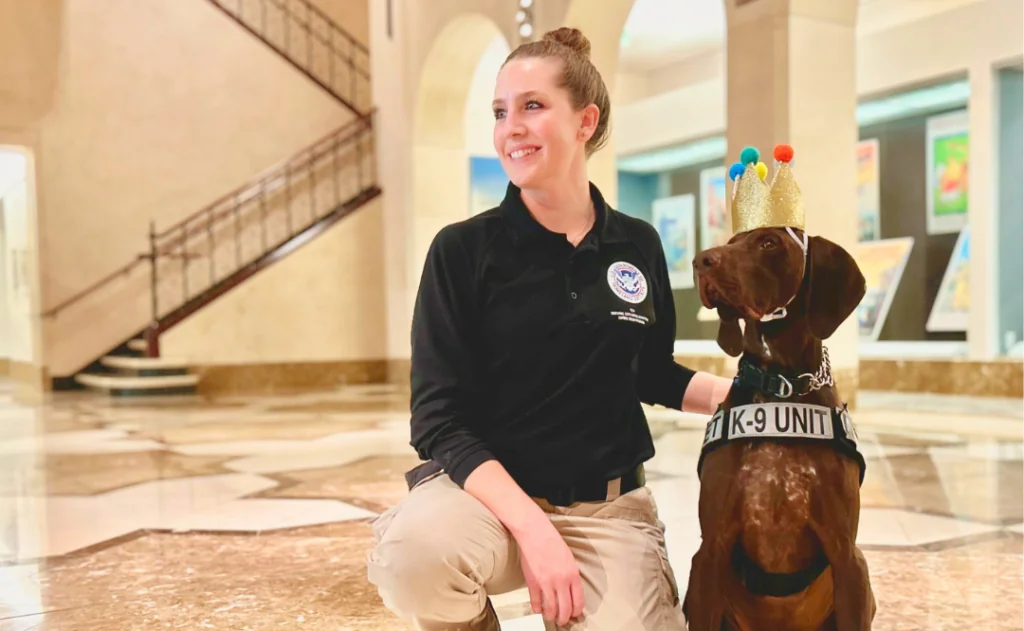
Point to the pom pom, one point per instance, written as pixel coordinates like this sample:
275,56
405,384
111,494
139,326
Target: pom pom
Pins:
783,153
736,170
762,170
749,155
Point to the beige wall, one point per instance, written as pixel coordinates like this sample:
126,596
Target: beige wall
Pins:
157,113
324,303
352,15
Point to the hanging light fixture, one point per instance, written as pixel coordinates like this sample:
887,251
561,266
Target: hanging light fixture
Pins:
524,21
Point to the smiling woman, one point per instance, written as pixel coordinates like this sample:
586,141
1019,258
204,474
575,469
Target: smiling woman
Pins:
539,329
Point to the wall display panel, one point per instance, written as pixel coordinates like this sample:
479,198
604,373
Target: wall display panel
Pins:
946,182
487,183
952,306
904,161
882,263
673,218
715,223
868,194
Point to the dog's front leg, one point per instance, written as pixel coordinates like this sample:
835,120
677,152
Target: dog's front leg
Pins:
853,600
704,603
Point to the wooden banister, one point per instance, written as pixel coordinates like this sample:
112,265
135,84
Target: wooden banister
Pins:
170,238
351,90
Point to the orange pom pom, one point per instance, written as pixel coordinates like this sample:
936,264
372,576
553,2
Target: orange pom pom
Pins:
783,153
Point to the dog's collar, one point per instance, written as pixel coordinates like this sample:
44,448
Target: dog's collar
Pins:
781,312
775,384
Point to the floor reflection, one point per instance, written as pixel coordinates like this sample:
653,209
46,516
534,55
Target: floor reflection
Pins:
251,513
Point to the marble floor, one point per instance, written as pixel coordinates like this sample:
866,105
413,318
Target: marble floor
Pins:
251,513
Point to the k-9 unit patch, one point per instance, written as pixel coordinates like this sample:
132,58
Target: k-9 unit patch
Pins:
627,282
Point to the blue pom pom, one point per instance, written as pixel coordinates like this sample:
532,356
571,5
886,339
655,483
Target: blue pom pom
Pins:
750,155
736,170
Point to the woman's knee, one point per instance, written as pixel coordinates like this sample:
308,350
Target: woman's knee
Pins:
433,549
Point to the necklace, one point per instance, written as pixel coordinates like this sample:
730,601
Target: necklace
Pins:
576,237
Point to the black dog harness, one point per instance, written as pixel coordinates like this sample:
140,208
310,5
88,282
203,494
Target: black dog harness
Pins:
780,421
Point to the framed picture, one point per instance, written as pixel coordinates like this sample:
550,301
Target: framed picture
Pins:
868,193
715,223
946,174
952,306
673,218
487,184
882,263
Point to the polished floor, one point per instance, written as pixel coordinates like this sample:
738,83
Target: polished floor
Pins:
252,513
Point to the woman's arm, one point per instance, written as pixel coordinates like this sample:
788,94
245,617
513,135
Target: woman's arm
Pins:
445,393
660,380
705,392
443,380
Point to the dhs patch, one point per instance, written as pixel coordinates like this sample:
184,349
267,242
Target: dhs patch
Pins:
627,282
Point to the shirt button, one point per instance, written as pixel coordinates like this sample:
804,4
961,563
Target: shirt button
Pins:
573,294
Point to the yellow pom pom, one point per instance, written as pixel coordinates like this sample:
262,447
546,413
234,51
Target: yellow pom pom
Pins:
762,170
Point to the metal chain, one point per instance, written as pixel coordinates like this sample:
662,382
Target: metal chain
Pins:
823,377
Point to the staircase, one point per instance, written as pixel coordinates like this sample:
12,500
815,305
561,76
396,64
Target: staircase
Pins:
195,261
311,42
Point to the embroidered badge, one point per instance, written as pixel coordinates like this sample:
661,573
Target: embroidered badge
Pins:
627,282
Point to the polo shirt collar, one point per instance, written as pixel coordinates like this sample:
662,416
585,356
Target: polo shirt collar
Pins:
524,228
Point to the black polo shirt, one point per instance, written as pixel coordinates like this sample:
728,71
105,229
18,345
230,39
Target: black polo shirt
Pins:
538,354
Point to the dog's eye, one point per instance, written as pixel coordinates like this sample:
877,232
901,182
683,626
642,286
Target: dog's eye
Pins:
767,244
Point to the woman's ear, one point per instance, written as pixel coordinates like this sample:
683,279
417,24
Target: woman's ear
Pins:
588,123
835,288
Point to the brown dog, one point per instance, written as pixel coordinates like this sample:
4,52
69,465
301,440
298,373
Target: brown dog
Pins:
780,472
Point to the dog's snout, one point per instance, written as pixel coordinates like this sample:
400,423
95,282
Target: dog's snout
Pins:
707,259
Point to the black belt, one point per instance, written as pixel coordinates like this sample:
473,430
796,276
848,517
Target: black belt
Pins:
595,490
590,491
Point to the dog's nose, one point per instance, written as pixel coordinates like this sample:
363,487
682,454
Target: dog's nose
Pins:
706,260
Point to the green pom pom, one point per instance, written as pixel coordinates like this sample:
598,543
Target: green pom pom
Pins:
750,155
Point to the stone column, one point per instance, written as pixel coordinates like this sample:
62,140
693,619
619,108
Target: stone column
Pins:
982,202
791,78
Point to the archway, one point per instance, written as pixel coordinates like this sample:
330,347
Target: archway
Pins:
439,161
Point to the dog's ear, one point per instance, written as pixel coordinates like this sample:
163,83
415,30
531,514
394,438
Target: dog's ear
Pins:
730,337
836,286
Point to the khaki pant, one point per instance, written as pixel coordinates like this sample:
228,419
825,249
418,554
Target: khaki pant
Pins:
440,552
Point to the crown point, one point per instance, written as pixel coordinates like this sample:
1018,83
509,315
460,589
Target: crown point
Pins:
749,155
735,170
783,153
762,170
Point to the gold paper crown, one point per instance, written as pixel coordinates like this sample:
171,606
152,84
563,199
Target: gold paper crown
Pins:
754,204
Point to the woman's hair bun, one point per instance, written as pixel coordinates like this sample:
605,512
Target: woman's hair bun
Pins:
570,38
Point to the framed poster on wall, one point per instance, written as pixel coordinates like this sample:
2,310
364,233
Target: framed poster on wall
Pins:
882,263
952,306
869,199
715,224
673,218
946,172
487,184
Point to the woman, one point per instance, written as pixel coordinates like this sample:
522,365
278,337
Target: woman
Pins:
539,327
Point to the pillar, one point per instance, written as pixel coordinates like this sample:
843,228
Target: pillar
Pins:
791,78
982,212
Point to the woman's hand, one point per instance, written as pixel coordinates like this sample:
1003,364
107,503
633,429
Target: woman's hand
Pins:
551,572
705,392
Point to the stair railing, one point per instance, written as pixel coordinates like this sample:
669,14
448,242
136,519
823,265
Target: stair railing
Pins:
213,250
312,42
250,227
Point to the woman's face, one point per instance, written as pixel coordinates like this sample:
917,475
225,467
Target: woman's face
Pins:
538,135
